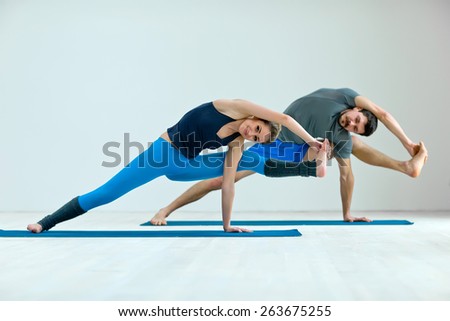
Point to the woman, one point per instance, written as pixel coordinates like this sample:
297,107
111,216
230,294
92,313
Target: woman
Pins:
176,155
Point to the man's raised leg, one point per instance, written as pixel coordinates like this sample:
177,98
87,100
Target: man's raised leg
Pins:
371,156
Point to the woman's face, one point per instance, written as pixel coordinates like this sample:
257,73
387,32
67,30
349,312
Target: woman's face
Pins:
255,130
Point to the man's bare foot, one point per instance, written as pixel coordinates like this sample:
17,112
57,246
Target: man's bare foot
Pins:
322,158
34,228
352,219
160,218
415,164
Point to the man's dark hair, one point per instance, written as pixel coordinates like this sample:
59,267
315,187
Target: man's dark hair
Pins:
372,123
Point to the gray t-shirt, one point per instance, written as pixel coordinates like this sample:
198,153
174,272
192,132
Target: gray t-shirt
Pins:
319,113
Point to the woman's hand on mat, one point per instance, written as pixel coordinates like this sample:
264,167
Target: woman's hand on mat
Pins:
159,218
349,218
235,229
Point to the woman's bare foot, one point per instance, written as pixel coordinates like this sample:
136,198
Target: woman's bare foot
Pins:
160,218
415,164
322,158
34,228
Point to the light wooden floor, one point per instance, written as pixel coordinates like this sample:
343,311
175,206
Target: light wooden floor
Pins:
326,263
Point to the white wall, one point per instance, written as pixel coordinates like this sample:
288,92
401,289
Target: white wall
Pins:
77,74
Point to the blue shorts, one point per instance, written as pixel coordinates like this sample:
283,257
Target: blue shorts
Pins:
284,151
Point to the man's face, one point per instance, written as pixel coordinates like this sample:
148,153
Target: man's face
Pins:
353,120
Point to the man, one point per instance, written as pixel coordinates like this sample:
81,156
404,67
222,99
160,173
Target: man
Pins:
334,114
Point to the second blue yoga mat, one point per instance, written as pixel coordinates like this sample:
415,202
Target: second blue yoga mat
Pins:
283,222
145,234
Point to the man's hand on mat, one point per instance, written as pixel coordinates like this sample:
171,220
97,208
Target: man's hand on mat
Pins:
235,229
349,218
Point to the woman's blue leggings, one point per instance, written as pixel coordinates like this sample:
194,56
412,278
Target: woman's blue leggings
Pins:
162,159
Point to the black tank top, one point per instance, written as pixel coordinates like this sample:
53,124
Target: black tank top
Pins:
197,130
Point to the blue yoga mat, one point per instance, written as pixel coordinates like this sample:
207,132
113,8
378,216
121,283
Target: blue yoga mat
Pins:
285,222
142,234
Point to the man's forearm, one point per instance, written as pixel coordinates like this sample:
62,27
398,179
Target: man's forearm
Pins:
347,183
346,194
394,127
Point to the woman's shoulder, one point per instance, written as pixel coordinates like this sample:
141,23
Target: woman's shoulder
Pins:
230,107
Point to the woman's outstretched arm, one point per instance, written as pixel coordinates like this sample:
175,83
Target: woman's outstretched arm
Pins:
238,109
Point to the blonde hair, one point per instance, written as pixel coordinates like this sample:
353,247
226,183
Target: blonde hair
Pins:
275,130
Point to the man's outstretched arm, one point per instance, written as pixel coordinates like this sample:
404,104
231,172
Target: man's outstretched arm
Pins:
347,183
390,122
